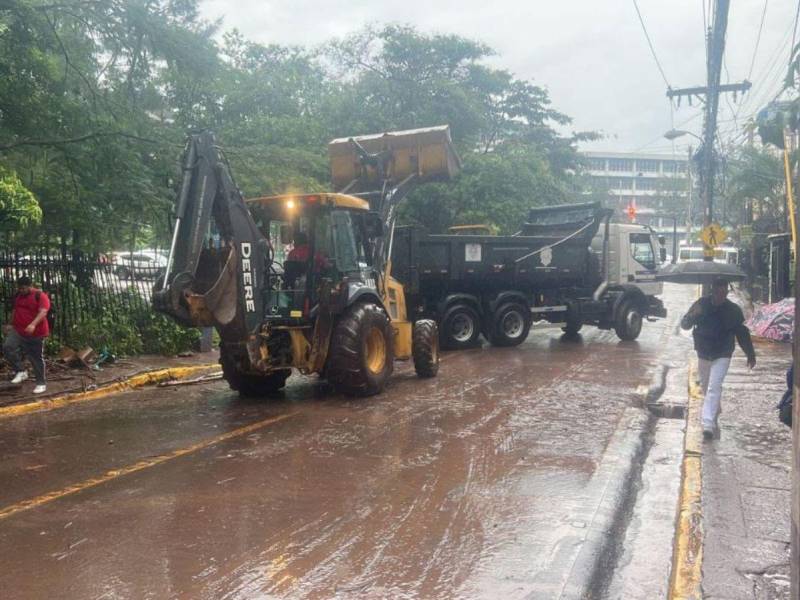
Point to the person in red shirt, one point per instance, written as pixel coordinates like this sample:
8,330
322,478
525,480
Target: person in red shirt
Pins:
301,251
297,260
29,328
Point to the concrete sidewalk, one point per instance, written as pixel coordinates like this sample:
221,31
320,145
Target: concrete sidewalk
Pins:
746,483
63,380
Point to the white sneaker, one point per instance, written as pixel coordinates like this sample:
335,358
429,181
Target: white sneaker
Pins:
20,377
40,389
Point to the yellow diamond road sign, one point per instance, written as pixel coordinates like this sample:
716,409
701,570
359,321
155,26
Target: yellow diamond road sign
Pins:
713,236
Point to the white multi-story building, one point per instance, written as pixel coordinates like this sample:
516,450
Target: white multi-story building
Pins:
656,185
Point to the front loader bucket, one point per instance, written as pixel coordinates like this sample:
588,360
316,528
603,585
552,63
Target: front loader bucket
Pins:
208,299
427,153
216,305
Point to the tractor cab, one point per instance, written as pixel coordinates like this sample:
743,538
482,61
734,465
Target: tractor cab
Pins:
318,245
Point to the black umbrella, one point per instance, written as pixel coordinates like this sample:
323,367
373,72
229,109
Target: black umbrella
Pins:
700,272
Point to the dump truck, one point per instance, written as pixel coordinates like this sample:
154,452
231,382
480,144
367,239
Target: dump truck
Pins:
303,281
568,264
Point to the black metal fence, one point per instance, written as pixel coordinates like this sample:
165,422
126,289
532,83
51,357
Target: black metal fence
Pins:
80,286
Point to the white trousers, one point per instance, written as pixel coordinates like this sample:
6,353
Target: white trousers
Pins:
712,373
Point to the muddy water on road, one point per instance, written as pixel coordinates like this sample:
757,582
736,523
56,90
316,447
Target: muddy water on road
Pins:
464,485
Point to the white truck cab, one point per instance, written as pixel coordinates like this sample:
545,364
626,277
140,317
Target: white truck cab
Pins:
634,256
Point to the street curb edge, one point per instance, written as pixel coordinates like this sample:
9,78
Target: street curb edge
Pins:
137,380
687,560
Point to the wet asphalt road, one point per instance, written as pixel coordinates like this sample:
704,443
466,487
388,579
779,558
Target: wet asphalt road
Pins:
466,485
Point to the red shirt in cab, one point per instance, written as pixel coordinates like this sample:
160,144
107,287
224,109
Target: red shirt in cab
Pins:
26,307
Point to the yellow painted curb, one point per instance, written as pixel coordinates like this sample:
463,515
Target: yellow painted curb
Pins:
136,381
687,559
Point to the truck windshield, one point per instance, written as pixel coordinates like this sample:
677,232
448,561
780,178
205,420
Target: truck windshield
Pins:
642,250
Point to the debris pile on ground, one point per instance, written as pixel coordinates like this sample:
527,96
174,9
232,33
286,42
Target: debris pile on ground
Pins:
86,369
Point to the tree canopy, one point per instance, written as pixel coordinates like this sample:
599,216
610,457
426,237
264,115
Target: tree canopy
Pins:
96,98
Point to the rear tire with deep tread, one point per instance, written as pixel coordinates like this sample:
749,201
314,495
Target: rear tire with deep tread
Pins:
249,385
355,366
425,348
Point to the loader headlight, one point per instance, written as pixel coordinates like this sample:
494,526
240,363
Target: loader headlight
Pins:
290,204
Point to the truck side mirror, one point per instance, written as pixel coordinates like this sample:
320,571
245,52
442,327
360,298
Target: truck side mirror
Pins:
286,234
663,252
374,225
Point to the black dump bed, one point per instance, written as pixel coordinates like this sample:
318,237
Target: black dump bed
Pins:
552,250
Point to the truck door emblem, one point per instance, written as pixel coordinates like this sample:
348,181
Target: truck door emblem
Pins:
546,256
472,253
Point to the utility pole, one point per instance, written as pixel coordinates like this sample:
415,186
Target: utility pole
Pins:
710,95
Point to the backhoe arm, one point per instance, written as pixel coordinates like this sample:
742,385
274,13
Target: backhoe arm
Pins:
208,283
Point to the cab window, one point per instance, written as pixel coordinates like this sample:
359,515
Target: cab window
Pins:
349,250
642,250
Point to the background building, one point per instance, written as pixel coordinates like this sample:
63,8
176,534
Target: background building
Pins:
657,185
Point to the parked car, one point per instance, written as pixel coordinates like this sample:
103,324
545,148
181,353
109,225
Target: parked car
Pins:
141,264
723,254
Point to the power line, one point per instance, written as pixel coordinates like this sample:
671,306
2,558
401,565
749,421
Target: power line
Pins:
794,35
794,30
758,39
773,62
661,136
650,43
705,18
728,80
705,28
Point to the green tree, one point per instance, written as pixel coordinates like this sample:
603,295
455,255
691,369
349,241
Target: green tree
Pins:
755,181
18,205
88,94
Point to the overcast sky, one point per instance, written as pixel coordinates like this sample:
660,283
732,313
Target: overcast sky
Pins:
590,54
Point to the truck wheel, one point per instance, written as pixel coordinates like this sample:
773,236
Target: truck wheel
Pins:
362,351
510,325
425,348
628,324
252,386
123,273
460,328
572,322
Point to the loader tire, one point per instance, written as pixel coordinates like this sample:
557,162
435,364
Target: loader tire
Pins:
425,348
460,328
628,323
249,385
510,325
361,351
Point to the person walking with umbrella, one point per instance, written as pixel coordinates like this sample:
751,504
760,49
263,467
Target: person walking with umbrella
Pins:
716,322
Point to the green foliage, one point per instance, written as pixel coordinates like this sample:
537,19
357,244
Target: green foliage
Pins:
134,332
161,335
18,205
755,178
113,330
495,188
96,97
125,324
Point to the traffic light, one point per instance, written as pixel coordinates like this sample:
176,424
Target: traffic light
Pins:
631,212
